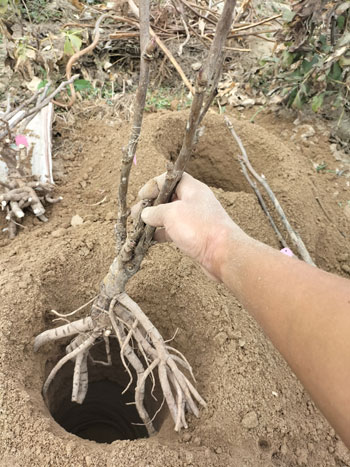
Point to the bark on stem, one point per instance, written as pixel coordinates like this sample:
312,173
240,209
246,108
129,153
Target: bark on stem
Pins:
130,150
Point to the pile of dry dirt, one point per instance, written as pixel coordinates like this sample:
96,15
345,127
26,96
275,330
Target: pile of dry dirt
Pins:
258,414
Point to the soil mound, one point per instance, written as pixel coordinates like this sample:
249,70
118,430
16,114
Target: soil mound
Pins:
258,414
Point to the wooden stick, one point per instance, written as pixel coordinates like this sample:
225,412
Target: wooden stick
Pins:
299,244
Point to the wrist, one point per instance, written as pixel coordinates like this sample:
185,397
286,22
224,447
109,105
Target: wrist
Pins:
224,249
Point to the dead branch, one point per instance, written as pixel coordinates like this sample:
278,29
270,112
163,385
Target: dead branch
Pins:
163,47
262,203
297,241
147,49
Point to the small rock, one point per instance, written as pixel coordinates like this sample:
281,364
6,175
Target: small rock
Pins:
83,184
197,441
85,177
284,449
218,450
196,66
241,342
95,139
221,338
250,420
302,457
76,220
22,285
346,268
58,233
68,157
347,211
186,437
308,131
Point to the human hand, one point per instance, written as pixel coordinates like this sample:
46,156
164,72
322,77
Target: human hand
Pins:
195,221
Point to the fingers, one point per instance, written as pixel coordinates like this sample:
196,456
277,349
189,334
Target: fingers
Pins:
152,188
155,216
161,236
186,188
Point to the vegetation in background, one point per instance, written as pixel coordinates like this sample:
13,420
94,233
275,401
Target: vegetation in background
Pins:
312,65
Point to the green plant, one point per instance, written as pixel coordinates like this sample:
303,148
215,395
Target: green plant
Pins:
314,63
72,41
162,98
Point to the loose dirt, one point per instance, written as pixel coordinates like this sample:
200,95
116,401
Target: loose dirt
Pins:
258,414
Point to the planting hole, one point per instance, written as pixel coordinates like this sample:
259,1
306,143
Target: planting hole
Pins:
106,415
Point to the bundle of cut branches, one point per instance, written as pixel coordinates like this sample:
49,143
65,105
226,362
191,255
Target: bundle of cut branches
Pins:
19,188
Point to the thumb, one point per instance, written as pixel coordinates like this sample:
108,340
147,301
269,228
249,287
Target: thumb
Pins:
155,216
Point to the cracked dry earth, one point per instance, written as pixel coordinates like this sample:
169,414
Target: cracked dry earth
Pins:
258,414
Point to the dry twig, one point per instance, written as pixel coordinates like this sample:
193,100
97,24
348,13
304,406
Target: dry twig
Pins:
297,241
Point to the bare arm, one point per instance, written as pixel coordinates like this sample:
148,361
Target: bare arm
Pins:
304,310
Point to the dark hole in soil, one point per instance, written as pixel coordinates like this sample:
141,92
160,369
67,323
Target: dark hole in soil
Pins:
105,415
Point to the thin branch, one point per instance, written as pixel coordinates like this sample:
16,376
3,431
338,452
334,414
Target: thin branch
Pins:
297,241
147,48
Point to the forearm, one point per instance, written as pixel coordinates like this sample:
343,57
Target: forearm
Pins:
306,314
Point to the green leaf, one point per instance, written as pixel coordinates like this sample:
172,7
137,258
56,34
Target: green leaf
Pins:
42,84
68,48
317,102
288,58
76,42
292,95
306,66
298,102
341,22
82,84
288,15
335,72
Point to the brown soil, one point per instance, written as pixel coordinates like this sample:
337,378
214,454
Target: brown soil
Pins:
238,372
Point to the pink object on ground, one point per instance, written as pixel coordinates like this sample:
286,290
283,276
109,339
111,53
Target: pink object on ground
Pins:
287,251
21,140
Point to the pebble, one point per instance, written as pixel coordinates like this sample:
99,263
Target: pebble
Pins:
221,338
197,441
241,342
76,220
196,66
186,437
302,457
250,420
309,131
58,233
345,268
347,211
